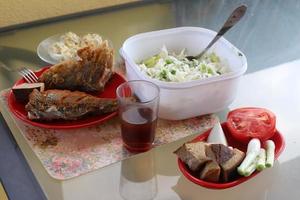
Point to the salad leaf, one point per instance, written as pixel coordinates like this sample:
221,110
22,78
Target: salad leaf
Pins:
214,58
151,61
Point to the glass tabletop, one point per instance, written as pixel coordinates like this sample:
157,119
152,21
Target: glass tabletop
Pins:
268,35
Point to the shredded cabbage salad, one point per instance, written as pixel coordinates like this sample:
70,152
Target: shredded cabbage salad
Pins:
177,68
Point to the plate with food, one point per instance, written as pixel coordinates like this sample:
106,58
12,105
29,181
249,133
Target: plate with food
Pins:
61,47
219,159
71,94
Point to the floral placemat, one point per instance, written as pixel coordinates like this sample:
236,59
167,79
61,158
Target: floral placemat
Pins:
69,153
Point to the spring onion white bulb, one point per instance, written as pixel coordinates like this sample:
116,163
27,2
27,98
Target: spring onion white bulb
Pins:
270,151
252,152
261,160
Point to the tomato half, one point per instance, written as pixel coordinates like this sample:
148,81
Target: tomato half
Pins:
247,123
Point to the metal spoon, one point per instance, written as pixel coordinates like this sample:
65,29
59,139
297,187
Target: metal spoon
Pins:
235,16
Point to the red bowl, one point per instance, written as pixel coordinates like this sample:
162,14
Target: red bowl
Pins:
279,147
18,109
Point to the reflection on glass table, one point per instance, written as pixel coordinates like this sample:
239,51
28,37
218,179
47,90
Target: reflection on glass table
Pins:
138,179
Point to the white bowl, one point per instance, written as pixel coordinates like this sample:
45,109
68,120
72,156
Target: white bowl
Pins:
193,98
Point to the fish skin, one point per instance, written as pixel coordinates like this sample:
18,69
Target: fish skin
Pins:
67,105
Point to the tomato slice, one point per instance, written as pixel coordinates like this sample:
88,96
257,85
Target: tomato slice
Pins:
247,123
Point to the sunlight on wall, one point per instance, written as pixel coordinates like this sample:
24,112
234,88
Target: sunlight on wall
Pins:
15,12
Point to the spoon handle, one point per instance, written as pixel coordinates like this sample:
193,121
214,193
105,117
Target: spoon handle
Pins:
235,16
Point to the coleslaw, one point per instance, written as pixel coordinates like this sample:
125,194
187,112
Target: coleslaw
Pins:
177,68
68,44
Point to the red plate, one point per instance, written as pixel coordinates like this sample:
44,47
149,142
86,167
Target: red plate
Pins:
279,144
18,109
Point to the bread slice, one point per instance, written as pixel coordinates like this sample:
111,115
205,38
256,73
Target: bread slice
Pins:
227,158
229,167
22,91
193,154
211,172
220,153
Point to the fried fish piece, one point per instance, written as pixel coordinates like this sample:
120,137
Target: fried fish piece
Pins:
64,104
89,74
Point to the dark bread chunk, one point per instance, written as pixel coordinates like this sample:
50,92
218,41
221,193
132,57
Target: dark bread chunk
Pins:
193,154
227,158
221,153
212,162
229,167
211,172
22,91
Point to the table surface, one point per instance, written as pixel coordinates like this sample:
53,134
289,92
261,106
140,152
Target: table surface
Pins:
267,35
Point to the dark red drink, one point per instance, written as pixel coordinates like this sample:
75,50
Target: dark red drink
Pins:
138,128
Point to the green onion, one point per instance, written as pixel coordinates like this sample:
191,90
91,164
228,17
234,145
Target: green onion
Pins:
261,161
270,151
252,152
251,168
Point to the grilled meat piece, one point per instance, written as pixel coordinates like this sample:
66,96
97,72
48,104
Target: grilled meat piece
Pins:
64,104
89,74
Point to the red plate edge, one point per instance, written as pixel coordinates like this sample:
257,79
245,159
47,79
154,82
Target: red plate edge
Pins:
72,124
279,147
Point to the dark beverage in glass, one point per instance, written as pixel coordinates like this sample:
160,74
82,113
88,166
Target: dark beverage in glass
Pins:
138,126
138,110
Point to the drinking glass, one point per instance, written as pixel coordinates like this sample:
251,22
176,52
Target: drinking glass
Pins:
138,110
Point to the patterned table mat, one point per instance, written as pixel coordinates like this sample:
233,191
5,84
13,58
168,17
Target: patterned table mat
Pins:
69,153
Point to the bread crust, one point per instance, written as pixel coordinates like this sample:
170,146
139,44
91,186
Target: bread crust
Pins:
193,154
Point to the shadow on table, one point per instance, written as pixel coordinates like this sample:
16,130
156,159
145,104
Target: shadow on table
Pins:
278,182
286,181
166,160
10,54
